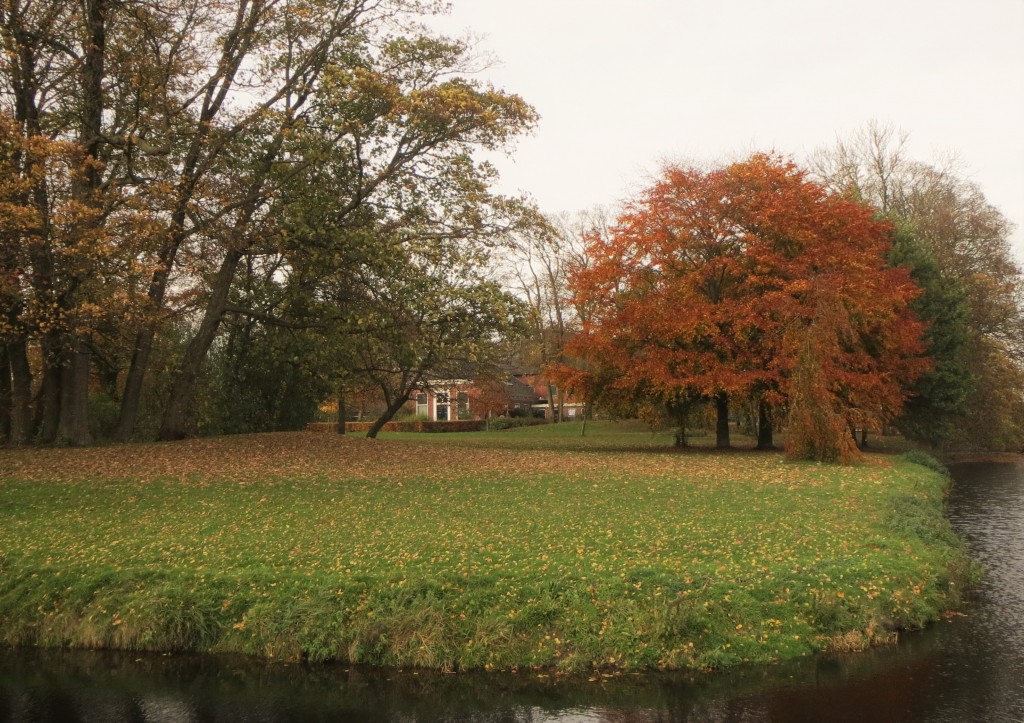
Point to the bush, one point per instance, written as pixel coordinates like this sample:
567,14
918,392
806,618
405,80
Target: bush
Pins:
500,423
916,456
468,425
103,415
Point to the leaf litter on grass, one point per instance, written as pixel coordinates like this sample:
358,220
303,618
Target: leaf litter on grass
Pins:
535,556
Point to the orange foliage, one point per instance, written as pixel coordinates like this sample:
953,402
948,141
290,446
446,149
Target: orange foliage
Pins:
714,280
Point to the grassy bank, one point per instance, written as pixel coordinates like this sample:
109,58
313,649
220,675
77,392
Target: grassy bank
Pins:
500,550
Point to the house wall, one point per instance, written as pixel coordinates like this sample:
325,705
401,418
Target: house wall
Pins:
458,395
465,396
571,408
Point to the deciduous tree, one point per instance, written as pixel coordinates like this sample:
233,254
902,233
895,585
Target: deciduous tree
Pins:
715,280
972,284
544,258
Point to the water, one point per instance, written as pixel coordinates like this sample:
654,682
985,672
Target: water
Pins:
969,668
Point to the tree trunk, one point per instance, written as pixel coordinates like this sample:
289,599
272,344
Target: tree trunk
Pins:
386,417
342,411
47,416
132,395
551,403
21,392
184,387
722,427
73,421
73,426
764,426
863,437
6,408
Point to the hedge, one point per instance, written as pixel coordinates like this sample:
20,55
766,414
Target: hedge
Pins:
463,425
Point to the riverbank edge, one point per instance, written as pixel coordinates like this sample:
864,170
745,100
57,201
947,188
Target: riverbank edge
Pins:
36,613
983,458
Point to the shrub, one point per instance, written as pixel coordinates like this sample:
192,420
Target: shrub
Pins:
103,414
500,423
916,456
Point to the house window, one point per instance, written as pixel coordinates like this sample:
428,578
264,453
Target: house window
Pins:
462,400
422,408
441,402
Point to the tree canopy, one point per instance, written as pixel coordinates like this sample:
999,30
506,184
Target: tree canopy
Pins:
170,165
752,280
957,246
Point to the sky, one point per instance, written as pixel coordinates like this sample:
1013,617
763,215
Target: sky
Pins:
623,86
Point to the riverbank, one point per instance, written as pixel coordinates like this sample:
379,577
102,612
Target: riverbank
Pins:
491,550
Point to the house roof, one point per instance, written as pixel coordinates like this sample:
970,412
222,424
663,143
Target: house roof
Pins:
520,392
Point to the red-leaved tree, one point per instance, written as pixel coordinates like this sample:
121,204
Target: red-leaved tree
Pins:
750,280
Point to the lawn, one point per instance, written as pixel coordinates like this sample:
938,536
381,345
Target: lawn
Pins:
528,547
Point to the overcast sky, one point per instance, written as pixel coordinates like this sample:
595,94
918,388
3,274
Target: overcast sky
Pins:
623,85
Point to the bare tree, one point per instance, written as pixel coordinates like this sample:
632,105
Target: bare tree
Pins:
544,259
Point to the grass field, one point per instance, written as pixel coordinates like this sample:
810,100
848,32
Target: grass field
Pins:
526,547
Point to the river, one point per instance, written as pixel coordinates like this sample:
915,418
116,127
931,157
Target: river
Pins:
967,668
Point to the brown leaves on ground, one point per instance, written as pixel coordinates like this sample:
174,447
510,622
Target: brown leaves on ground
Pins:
255,457
243,457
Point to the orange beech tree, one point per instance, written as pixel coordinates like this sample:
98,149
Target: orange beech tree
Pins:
750,280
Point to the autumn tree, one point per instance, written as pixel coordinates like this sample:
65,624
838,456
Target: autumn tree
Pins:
65,80
958,245
669,275
390,129
731,280
184,126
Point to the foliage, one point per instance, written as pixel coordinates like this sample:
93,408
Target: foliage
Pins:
468,551
958,246
935,410
259,382
103,415
154,153
713,281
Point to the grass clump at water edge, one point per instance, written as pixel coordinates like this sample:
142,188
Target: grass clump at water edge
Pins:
471,554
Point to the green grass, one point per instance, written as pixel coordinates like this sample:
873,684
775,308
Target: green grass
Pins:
527,547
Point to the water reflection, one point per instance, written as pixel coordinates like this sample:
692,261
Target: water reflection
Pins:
76,686
968,668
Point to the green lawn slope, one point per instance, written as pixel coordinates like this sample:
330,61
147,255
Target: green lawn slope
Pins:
501,550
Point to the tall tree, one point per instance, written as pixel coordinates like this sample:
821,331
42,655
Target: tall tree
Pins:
184,124
938,402
715,282
389,127
76,82
967,241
